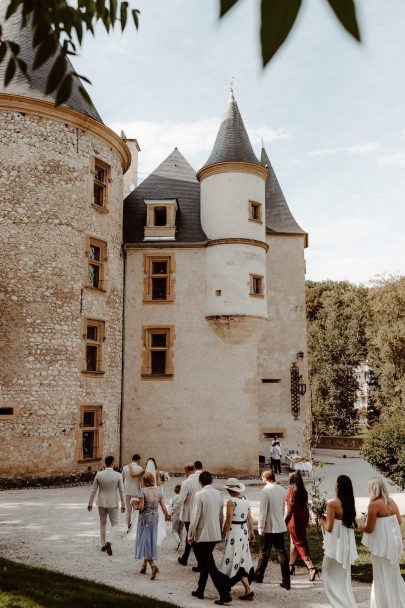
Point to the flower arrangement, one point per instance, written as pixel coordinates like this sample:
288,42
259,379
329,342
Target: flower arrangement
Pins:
318,505
164,476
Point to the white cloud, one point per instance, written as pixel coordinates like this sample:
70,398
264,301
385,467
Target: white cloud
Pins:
365,148
194,139
396,159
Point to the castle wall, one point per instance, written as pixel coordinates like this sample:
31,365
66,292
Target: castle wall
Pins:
209,409
225,205
228,269
284,337
46,186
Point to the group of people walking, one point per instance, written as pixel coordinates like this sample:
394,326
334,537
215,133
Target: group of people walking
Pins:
198,508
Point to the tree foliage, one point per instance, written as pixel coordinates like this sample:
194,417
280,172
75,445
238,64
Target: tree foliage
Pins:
386,344
58,27
278,18
57,32
384,448
337,318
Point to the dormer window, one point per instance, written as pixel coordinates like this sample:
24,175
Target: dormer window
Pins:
160,220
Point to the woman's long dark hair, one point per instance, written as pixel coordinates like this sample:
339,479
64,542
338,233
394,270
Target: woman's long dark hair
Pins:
301,495
346,497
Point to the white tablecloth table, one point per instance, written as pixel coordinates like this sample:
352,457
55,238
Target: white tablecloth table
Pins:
295,464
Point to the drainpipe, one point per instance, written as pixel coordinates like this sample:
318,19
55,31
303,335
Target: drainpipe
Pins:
124,253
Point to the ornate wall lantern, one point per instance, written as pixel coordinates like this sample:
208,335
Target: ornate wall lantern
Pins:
298,389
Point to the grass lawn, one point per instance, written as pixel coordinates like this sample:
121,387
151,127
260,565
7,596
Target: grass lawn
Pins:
361,571
27,587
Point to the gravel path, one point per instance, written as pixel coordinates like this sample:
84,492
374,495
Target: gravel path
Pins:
52,528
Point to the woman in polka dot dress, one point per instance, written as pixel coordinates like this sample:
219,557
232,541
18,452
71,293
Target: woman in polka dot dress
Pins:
237,561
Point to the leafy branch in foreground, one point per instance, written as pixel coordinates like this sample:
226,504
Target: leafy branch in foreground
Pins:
57,32
279,16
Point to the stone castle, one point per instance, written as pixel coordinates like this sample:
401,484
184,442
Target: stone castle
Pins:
166,318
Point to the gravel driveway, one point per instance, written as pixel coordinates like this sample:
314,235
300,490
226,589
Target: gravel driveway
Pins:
52,528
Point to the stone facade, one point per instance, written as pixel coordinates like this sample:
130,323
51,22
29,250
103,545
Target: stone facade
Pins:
46,185
284,337
209,409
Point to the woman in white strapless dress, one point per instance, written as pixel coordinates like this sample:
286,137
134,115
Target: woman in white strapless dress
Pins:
339,545
382,535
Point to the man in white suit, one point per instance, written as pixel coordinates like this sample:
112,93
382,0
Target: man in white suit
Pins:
189,488
108,483
204,532
272,527
132,476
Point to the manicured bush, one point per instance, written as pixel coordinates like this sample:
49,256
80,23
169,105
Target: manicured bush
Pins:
384,448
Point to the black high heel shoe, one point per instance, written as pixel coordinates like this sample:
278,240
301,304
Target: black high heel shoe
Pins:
292,569
315,572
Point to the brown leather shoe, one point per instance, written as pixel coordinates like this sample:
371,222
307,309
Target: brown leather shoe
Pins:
108,548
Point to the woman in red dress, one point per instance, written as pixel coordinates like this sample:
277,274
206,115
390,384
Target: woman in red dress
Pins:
297,520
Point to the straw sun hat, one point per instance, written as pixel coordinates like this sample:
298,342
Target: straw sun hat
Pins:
234,485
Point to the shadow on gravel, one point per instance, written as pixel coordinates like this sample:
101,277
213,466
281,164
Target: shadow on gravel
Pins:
26,587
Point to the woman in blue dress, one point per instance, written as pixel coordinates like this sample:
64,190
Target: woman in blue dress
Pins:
146,538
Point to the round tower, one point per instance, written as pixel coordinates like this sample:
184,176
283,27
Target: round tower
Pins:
233,218
61,270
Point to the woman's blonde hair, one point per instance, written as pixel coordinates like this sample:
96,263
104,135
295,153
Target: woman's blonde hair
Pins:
377,489
148,480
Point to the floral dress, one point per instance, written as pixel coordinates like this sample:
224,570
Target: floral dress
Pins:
147,532
237,561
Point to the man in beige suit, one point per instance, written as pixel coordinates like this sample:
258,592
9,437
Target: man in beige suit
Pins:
189,488
108,483
204,532
272,527
132,476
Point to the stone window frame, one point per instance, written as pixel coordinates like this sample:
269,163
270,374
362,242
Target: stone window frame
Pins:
253,278
100,324
9,405
167,232
148,260
255,205
104,184
146,366
102,263
96,429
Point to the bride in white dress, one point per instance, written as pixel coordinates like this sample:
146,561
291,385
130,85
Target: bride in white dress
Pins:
382,535
339,545
151,467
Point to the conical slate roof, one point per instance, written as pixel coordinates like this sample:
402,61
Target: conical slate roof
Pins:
278,215
36,88
174,178
232,144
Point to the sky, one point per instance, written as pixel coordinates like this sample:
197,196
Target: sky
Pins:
331,113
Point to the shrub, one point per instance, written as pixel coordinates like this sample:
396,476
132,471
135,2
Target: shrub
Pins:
384,448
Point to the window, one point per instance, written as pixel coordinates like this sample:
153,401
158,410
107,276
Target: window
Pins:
256,285
160,216
96,255
157,355
160,220
93,346
159,280
91,421
101,178
255,212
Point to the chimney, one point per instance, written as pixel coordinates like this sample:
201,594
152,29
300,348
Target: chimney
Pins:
131,176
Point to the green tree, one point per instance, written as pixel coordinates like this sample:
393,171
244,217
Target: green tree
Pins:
337,318
58,28
384,448
386,344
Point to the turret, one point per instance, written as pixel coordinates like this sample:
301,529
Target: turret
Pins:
233,217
